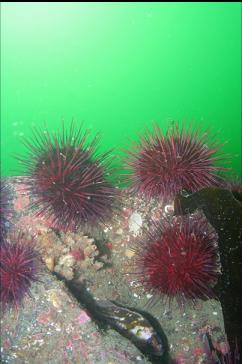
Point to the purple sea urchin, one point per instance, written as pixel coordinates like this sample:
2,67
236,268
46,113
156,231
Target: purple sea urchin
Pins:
179,259
68,180
19,267
163,165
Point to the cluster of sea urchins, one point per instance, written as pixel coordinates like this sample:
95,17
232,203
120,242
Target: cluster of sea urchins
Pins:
69,182
19,268
162,165
178,259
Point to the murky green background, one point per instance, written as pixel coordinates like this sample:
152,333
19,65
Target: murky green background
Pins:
118,67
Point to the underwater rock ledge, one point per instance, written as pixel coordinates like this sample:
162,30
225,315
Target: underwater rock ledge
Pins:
50,325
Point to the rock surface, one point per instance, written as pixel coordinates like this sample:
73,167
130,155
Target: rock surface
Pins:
51,327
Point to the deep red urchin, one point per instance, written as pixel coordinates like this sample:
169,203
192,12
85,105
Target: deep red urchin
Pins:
69,182
19,267
179,259
163,165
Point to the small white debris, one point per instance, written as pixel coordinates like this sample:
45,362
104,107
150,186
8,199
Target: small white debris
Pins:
169,209
135,222
119,231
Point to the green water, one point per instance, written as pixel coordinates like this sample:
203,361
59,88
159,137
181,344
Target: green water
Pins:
119,67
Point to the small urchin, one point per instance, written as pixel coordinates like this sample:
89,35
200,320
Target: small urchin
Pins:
178,259
5,208
20,265
68,180
162,165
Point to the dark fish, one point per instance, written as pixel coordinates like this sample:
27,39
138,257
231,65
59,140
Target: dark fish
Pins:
224,213
140,327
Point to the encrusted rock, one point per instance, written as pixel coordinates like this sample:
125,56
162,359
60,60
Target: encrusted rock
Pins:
67,260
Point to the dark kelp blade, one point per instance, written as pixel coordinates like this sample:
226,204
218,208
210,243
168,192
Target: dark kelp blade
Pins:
224,213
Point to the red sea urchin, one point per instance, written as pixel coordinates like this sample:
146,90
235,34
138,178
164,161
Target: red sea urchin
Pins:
179,259
19,267
69,182
163,165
